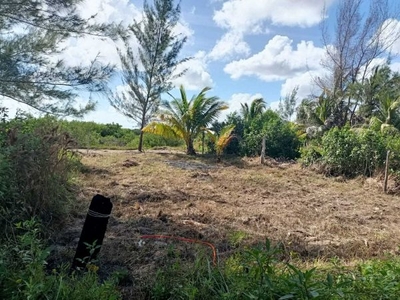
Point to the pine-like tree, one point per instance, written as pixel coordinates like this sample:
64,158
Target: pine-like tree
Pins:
30,73
287,105
149,74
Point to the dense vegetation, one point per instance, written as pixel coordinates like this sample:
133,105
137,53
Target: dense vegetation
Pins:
90,135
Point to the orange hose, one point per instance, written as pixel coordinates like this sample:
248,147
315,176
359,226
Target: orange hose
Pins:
214,251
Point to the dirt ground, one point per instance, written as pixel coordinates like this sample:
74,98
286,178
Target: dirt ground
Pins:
236,201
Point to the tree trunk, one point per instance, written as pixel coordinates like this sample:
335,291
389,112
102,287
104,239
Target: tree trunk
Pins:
262,158
140,147
386,172
202,142
142,124
190,148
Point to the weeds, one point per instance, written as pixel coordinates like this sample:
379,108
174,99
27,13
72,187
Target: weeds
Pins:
258,273
24,274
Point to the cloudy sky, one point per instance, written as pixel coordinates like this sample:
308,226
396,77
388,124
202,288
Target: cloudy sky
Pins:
243,49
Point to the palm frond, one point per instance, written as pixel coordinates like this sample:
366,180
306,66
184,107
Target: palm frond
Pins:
256,108
210,134
224,138
187,118
162,129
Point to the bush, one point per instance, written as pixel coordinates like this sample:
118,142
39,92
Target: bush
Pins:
111,136
281,138
153,140
392,143
311,154
347,152
235,146
36,164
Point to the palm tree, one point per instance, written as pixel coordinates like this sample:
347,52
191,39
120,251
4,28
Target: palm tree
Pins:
222,140
256,108
185,118
387,114
315,111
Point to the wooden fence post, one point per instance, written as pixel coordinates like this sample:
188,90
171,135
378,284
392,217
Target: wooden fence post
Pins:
93,231
386,172
263,151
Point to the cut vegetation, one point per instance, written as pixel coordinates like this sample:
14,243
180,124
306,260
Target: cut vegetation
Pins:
232,205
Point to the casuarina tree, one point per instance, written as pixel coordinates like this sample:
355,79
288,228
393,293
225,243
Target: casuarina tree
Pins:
149,68
30,72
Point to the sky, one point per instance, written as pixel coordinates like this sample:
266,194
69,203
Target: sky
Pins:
242,49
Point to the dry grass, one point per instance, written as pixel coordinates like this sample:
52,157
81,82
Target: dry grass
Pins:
168,193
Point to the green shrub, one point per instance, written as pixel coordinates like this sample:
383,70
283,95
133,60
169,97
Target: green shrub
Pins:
347,152
310,154
111,136
393,144
235,146
153,140
281,138
376,279
23,275
36,163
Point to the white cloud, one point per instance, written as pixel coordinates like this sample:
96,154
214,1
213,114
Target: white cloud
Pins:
235,103
305,82
380,61
244,15
183,29
81,51
196,77
278,61
390,35
14,106
107,11
229,45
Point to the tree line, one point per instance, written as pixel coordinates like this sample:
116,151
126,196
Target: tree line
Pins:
354,92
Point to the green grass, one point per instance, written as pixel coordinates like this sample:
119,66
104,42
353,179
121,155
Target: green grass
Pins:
260,273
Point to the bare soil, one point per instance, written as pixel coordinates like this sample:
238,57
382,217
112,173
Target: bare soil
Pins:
168,193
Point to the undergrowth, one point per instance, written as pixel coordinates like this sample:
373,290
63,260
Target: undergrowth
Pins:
260,273
36,164
24,273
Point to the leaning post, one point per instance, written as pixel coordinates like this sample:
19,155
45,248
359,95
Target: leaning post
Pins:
93,231
386,172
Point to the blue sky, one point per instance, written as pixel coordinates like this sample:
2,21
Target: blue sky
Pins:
243,49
